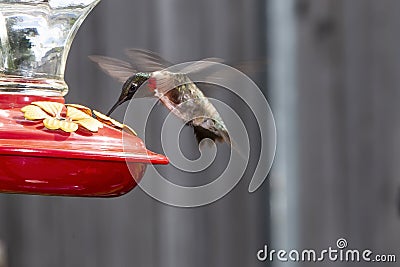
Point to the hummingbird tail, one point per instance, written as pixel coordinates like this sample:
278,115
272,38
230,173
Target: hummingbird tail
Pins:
203,133
222,136
215,135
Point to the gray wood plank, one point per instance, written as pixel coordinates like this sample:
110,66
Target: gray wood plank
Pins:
348,63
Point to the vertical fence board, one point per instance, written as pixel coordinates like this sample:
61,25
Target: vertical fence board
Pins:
348,87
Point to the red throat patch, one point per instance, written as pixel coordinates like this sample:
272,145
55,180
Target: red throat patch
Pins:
152,83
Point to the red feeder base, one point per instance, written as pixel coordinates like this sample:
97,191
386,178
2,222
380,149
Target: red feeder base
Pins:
35,160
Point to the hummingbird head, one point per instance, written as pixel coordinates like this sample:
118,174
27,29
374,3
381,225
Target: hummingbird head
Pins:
129,88
132,85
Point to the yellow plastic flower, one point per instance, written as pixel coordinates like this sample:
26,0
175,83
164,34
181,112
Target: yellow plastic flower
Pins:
50,113
107,120
75,116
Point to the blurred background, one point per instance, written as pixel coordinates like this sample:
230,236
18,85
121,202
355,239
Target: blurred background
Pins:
329,69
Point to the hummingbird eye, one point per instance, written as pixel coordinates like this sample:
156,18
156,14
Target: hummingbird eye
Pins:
132,89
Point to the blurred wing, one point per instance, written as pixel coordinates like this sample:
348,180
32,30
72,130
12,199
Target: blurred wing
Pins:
251,67
202,65
118,69
198,71
146,61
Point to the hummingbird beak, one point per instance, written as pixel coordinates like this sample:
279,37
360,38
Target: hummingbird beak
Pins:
119,102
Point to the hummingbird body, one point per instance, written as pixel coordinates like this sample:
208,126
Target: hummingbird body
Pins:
183,98
174,90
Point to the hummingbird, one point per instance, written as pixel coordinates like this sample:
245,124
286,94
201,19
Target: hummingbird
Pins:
174,90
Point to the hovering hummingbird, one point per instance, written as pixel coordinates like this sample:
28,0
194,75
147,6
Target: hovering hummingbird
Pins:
175,90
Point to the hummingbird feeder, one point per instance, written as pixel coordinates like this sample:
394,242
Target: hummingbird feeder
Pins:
48,147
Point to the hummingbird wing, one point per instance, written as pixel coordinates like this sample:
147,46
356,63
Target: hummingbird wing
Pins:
118,69
201,65
146,61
